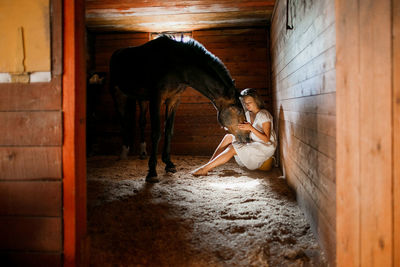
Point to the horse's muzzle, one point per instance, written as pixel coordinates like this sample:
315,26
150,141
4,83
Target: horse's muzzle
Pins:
243,137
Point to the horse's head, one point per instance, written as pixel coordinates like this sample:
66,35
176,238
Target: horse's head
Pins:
229,117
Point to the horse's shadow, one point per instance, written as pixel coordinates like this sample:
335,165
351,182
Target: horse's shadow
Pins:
139,229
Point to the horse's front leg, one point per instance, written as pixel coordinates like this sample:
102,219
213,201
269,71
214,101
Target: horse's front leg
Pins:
170,111
126,111
155,139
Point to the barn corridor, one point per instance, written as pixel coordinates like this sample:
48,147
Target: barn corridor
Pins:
233,217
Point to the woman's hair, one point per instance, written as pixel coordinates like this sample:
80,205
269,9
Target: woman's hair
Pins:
253,93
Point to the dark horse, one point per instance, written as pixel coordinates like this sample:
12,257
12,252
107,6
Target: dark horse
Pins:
158,72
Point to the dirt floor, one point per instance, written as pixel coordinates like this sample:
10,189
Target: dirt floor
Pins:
233,217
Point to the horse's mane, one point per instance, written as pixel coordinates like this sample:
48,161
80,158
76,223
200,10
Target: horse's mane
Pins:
194,48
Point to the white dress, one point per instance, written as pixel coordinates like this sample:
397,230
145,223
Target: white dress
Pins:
253,154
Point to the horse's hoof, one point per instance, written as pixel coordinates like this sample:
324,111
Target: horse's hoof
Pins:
124,153
152,177
152,180
170,168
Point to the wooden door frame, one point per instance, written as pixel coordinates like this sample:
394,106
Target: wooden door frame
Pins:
75,243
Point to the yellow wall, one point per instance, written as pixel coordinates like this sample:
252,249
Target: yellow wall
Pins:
26,50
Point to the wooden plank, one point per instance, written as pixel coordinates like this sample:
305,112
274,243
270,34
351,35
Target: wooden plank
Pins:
318,104
396,129
322,123
244,68
31,259
169,7
348,134
32,96
30,163
218,40
240,52
139,36
110,44
56,42
375,143
235,32
256,57
31,128
251,43
185,3
31,233
315,77
240,84
30,198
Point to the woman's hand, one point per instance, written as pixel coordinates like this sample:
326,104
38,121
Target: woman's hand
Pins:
245,126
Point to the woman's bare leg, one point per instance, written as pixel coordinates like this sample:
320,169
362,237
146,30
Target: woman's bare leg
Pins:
225,142
222,158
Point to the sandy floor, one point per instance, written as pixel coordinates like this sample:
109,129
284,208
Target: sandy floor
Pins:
233,217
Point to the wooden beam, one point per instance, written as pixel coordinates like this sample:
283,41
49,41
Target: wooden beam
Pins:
396,128
74,150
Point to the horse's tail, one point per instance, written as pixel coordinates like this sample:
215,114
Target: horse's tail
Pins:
113,70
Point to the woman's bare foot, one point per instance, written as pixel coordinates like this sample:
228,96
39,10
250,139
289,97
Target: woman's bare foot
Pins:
199,172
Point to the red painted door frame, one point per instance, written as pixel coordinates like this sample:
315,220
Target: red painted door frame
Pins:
74,146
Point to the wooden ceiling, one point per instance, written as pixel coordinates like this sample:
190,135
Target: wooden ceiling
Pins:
174,15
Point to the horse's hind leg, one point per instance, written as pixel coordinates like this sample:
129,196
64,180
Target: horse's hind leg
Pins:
170,111
142,124
155,139
126,110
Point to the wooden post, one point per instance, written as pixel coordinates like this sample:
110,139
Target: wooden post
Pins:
74,151
365,200
396,128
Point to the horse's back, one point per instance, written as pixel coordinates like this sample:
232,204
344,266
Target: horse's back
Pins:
137,69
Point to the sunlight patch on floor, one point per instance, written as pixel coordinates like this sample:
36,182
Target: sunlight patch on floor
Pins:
234,183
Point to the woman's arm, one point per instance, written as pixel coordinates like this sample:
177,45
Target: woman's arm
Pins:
263,136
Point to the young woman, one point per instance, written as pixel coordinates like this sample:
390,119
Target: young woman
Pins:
263,139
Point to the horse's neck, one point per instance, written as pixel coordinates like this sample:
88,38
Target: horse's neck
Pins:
209,87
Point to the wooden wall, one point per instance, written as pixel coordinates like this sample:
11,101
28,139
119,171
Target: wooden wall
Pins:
197,132
368,119
30,166
304,85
